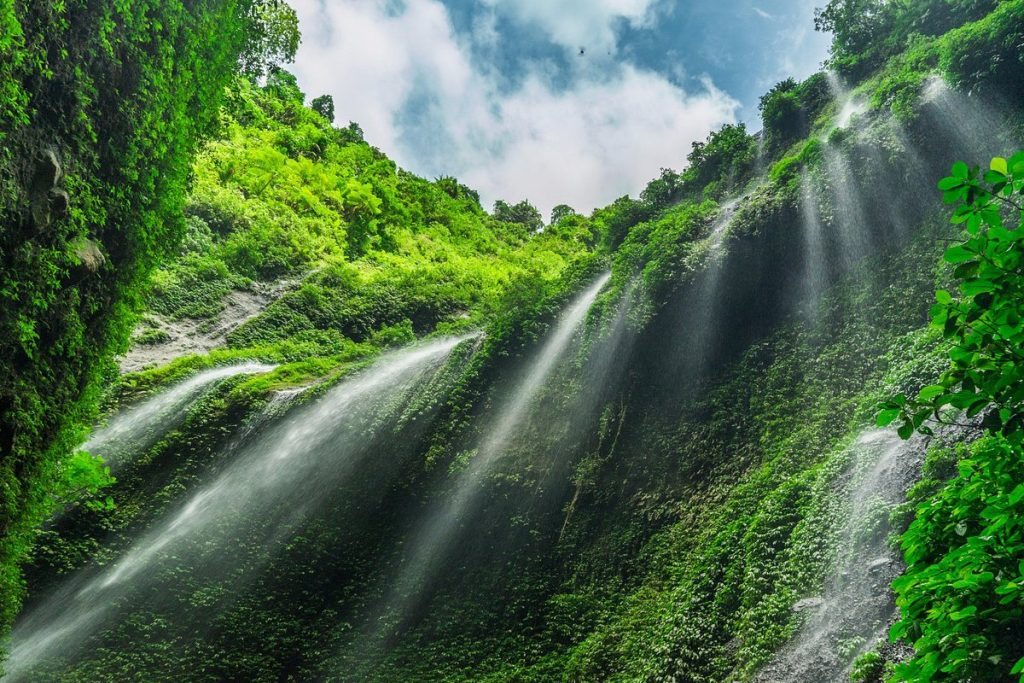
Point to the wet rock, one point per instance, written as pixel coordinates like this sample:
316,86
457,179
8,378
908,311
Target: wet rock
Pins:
879,564
48,171
59,202
49,200
808,604
90,258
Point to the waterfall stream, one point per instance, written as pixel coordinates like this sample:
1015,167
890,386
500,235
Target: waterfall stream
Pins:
435,537
135,429
272,480
855,609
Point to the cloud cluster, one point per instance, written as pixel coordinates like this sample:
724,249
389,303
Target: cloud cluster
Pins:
403,74
578,23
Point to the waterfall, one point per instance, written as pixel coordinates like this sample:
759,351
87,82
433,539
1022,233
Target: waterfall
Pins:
270,482
855,609
135,429
434,538
848,105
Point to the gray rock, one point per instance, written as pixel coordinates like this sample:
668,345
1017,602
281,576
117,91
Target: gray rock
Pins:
879,564
48,171
90,258
49,201
59,202
808,604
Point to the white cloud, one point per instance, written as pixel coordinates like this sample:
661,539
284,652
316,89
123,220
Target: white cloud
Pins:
578,23
606,135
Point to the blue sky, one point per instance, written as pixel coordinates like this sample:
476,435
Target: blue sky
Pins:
498,94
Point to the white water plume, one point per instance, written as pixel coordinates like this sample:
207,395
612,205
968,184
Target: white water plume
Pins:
816,268
134,429
975,129
288,467
848,104
702,322
855,609
435,537
846,216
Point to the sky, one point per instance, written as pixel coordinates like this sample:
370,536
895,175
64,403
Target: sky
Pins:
556,101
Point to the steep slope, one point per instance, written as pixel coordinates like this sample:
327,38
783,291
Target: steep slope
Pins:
102,106
662,473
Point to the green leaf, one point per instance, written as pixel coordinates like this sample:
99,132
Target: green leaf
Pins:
1017,494
885,417
1018,667
958,254
973,287
995,177
966,270
950,183
960,170
999,165
968,611
1016,164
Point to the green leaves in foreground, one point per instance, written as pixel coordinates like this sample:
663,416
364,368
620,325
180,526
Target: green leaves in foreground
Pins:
985,320
962,597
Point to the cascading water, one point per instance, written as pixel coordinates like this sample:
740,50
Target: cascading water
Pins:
138,427
701,325
848,104
274,479
856,607
434,537
815,256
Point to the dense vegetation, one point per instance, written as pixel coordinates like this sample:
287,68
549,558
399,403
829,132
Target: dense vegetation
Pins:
684,478
962,596
103,106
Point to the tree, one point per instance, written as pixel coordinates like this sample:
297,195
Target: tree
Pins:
323,105
273,37
524,213
561,211
727,154
663,190
284,85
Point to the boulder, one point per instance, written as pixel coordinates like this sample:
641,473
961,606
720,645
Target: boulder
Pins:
48,171
90,258
49,200
59,202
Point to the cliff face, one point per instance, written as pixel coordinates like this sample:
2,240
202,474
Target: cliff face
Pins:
104,106
636,445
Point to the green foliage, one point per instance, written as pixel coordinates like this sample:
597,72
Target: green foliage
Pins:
102,106
523,214
962,597
867,32
988,54
725,161
984,323
647,524
561,211
789,109
354,244
323,105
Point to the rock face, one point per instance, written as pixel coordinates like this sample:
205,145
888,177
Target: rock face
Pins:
49,200
808,604
90,258
854,612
